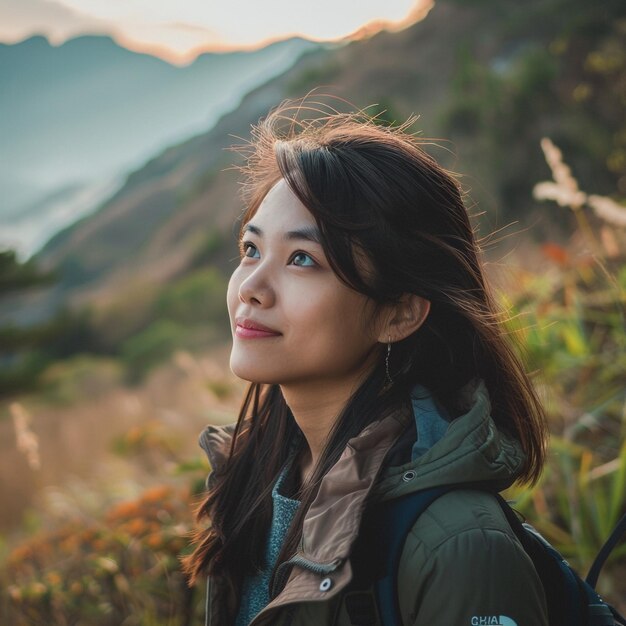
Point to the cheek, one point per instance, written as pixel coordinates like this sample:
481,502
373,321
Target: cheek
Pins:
232,295
333,320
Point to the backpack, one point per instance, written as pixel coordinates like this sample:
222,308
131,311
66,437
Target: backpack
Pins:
571,601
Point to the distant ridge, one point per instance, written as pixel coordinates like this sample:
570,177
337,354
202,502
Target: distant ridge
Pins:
90,109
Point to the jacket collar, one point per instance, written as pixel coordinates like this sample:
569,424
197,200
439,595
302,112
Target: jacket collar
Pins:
473,450
332,522
215,441
336,511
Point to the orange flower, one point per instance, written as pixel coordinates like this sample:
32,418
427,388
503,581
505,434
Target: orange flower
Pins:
99,545
53,578
124,510
70,544
156,494
136,526
76,588
556,253
21,553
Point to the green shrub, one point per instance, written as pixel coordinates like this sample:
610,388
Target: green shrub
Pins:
145,350
199,298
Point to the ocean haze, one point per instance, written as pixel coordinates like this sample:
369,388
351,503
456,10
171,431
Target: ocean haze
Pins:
81,115
28,227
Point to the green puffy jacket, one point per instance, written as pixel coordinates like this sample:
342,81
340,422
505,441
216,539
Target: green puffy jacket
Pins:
461,564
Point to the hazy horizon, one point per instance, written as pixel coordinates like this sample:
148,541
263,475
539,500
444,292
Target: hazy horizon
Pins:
179,34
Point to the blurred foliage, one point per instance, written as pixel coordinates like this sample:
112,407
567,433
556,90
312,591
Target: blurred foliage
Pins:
151,346
141,328
26,351
384,113
197,298
576,505
180,315
208,246
19,373
571,322
221,389
563,74
579,500
77,378
150,445
16,275
121,569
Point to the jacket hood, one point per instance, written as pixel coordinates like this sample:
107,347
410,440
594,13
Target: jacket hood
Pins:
471,450
438,451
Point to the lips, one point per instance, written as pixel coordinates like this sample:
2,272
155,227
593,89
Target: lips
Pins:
244,322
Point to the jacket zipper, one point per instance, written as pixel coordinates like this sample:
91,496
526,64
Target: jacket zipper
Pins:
300,561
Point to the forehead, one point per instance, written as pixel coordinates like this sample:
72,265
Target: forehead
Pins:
281,208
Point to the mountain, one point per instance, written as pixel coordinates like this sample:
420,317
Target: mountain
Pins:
490,77
89,110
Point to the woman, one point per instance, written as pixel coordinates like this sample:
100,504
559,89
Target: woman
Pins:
378,366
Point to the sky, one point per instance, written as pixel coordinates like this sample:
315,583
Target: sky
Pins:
178,30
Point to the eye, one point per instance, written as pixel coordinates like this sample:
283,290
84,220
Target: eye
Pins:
244,246
303,254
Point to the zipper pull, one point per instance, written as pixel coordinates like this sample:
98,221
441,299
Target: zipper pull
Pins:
321,569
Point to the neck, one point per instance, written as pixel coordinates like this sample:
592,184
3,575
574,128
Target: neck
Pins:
316,408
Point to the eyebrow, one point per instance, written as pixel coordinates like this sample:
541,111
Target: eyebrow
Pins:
307,233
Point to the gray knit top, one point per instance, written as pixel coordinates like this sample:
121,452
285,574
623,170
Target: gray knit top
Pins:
255,594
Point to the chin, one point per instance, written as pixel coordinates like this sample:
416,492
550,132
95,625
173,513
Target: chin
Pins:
252,373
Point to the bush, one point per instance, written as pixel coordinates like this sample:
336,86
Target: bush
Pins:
147,349
123,569
199,298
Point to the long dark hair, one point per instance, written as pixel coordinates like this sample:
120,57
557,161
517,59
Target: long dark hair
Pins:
373,191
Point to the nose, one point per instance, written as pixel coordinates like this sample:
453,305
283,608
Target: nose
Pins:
255,289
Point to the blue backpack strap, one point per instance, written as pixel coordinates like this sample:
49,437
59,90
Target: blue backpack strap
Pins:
392,521
610,543
562,591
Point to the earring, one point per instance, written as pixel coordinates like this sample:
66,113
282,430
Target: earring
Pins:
388,379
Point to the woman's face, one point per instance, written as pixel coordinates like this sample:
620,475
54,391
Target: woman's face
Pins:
284,282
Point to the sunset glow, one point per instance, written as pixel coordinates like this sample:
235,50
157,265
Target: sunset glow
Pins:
179,31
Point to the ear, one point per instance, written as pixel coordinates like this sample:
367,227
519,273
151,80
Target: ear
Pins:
404,318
